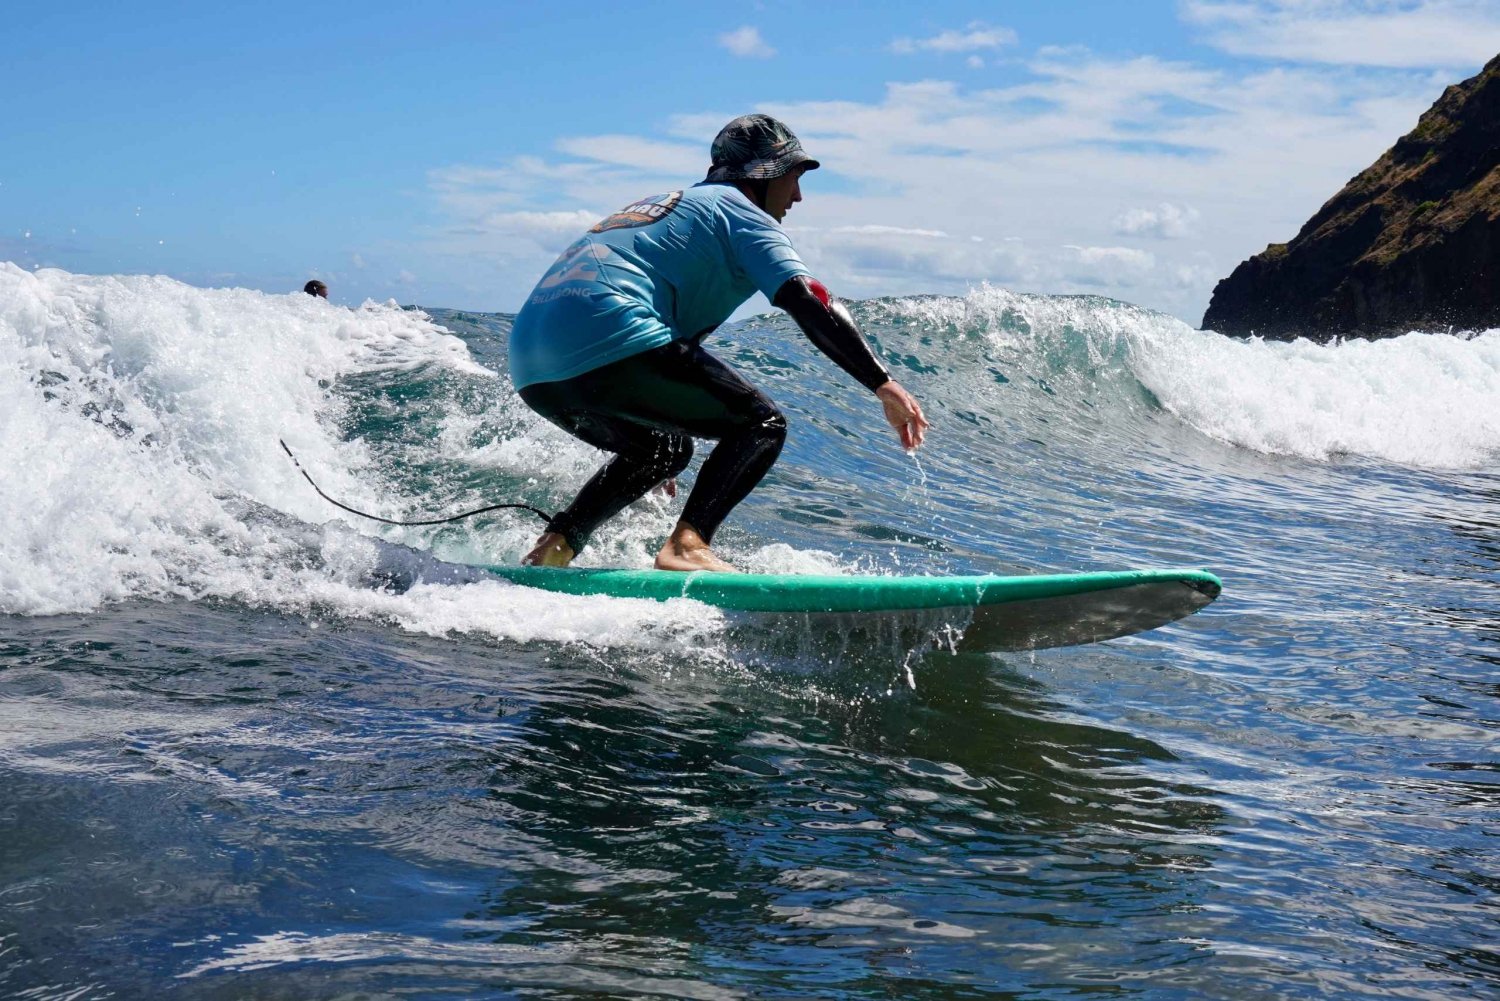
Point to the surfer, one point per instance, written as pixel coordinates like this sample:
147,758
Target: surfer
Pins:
609,345
316,288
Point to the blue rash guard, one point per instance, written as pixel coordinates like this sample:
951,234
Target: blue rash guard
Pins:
667,268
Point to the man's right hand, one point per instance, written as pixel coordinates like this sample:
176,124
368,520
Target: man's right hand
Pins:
904,413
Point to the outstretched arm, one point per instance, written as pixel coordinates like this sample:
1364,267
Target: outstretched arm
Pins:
833,331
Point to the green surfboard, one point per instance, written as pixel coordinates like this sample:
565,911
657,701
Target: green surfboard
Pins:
993,612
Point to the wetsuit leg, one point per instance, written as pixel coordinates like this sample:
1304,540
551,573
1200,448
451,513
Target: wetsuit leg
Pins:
644,457
646,409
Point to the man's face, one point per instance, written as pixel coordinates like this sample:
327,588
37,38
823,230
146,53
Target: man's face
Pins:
784,192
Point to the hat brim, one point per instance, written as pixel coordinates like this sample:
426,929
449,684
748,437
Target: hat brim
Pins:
765,169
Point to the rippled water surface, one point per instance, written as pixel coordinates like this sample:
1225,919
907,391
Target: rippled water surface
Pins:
251,749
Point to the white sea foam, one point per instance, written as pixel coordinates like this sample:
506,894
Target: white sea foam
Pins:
1429,400
139,459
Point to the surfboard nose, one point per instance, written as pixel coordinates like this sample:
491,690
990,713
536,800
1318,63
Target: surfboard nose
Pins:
1086,618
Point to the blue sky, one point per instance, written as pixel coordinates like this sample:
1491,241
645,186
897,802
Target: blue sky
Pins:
444,156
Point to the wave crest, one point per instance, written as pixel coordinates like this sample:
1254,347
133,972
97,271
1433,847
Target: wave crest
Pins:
1428,400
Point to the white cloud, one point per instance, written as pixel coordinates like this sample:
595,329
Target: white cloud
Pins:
1244,157
467,191
888,260
746,43
1045,185
550,231
975,37
638,154
604,171
888,230
1194,276
1166,221
1127,258
1392,33
1107,267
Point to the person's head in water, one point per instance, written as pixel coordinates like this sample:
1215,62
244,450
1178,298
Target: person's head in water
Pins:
316,288
761,157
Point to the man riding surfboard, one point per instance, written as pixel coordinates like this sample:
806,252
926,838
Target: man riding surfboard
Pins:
609,344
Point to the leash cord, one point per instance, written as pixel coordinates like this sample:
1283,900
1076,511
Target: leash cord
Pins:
391,521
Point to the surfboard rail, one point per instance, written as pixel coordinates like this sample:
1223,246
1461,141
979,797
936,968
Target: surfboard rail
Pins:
1002,612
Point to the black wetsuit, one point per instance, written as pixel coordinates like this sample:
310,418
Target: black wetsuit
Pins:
648,407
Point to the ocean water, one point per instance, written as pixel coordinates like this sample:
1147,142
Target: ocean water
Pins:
254,747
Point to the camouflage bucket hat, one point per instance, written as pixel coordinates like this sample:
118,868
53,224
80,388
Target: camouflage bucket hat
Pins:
756,147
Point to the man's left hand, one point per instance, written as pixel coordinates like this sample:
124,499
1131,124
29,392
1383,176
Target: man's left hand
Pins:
904,413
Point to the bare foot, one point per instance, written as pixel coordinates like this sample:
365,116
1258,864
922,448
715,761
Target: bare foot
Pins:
551,550
686,551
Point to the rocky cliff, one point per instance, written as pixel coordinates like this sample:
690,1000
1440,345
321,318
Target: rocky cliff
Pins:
1412,243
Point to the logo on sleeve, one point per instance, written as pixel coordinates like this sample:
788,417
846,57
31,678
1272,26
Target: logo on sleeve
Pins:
641,213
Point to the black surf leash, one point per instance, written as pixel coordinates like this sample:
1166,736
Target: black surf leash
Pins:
391,521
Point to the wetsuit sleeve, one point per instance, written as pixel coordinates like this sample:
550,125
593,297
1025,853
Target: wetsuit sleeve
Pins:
832,330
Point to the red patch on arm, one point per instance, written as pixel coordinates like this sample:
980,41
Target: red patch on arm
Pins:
819,290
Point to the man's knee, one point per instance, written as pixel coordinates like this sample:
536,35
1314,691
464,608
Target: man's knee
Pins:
770,423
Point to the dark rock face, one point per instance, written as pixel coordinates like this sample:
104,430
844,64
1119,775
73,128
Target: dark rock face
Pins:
1412,243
